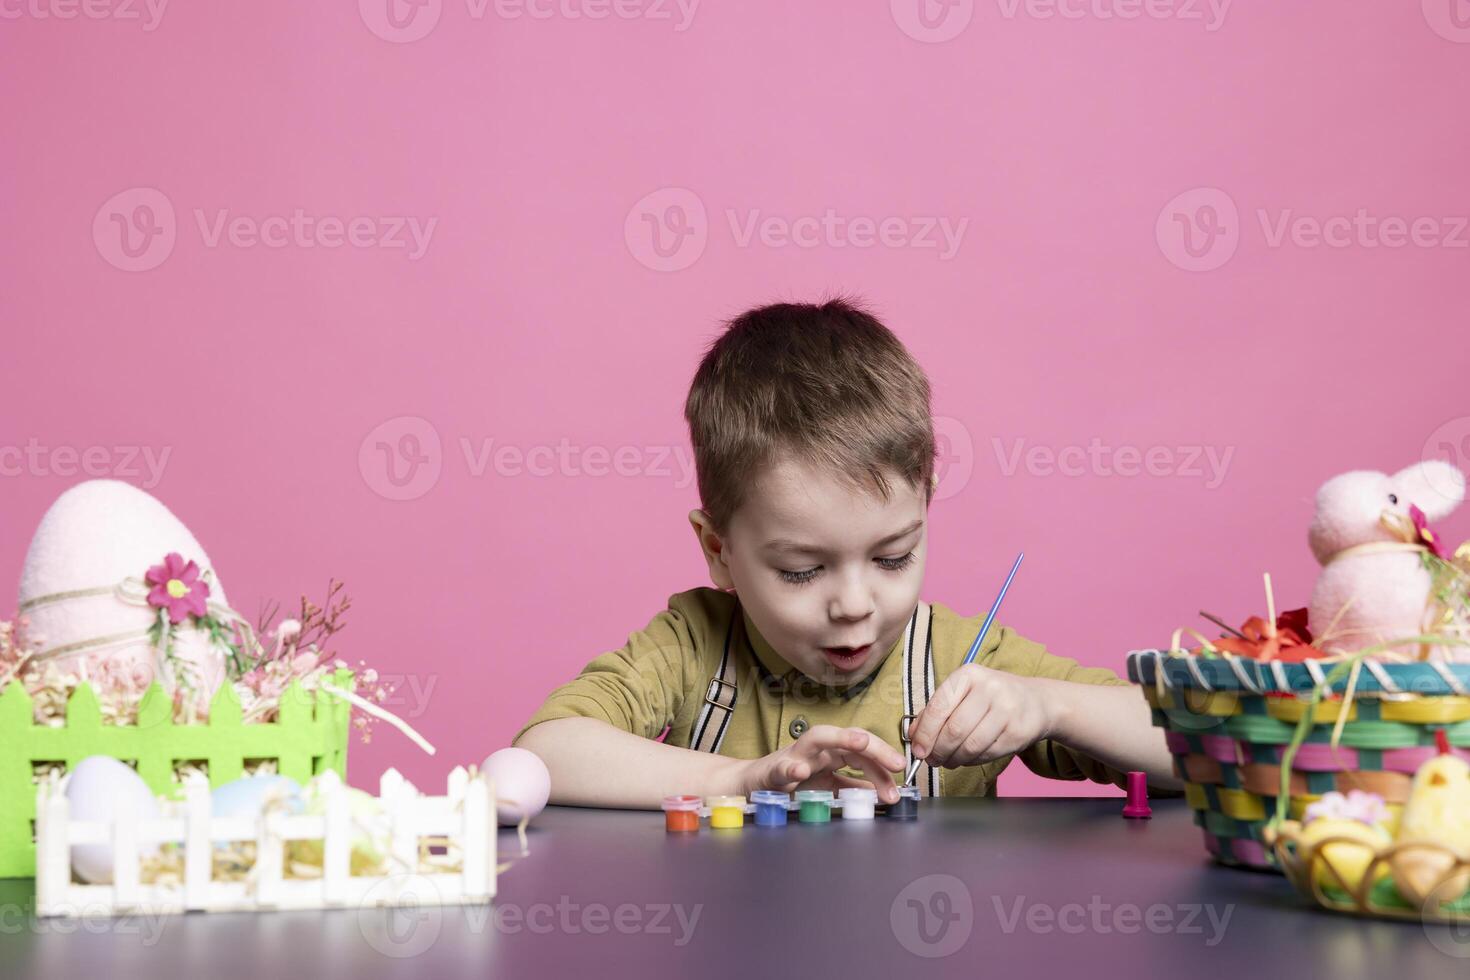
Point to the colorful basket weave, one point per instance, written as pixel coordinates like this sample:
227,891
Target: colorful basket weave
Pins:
1227,721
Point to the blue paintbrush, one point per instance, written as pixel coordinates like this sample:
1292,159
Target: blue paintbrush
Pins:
975,647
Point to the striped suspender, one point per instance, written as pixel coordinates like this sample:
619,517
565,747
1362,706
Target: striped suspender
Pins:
918,688
720,697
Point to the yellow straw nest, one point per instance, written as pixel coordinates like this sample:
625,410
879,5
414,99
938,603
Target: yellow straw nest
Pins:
1348,866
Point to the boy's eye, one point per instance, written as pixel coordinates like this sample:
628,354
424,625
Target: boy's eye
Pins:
896,564
805,575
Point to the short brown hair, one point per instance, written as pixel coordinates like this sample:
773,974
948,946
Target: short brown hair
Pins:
828,384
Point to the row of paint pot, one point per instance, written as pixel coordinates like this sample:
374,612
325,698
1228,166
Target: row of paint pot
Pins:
770,808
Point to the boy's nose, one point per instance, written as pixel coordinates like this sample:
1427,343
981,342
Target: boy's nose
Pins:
851,603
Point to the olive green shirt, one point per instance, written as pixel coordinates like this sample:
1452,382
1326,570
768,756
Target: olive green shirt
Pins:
657,683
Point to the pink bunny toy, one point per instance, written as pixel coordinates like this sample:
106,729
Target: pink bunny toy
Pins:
1370,533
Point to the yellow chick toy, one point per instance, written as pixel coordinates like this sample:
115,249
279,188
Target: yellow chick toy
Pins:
1346,832
1437,812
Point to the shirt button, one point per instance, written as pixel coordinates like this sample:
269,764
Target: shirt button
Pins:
798,727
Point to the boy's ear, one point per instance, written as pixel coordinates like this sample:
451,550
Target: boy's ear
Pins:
713,548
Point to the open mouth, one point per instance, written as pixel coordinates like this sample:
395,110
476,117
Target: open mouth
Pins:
847,658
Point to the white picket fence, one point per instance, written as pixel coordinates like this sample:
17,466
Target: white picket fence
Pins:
465,816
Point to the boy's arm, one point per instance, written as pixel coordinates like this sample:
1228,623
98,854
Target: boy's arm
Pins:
1061,719
594,764
597,734
1111,724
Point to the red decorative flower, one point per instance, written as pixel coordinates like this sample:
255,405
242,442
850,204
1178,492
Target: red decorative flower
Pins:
177,588
1290,641
1427,537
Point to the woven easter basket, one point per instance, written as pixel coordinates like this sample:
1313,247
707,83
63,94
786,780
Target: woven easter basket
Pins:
1228,721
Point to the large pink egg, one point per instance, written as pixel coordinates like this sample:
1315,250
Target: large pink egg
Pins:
94,536
522,784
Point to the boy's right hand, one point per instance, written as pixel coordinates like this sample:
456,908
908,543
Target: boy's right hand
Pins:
812,761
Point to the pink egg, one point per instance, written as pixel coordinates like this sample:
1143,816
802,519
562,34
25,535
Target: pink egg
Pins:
522,784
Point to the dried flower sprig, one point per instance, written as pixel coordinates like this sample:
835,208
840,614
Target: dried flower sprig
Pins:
263,664
312,629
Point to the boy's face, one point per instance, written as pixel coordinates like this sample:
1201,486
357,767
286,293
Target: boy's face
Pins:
829,573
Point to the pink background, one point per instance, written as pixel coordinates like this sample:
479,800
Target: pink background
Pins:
1069,312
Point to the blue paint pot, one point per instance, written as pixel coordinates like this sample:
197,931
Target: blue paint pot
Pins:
770,807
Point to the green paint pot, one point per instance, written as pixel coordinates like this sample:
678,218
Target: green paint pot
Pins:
814,805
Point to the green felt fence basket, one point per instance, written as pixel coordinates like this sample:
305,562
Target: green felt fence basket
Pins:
1228,719
309,737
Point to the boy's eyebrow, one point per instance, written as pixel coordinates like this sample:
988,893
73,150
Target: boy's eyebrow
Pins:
786,544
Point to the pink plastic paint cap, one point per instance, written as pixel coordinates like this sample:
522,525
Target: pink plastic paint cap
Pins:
1137,806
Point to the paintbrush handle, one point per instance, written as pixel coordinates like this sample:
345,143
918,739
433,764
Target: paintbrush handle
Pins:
975,647
990,616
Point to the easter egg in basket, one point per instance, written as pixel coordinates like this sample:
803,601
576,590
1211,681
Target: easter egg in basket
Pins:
1344,851
100,788
107,562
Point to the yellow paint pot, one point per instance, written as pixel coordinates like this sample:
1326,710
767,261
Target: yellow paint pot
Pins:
726,812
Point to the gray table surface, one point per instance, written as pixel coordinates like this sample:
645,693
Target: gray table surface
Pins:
1015,888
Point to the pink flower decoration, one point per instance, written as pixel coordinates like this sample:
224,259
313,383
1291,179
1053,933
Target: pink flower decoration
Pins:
1367,808
1426,535
177,588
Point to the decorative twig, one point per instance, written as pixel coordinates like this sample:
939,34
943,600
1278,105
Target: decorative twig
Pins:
1223,625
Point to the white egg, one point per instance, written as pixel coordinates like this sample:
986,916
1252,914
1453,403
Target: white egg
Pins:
101,788
248,795
97,534
522,784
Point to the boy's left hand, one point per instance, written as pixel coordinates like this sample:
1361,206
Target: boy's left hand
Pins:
978,715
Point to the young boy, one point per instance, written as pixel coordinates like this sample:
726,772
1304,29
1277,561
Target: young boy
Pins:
814,664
